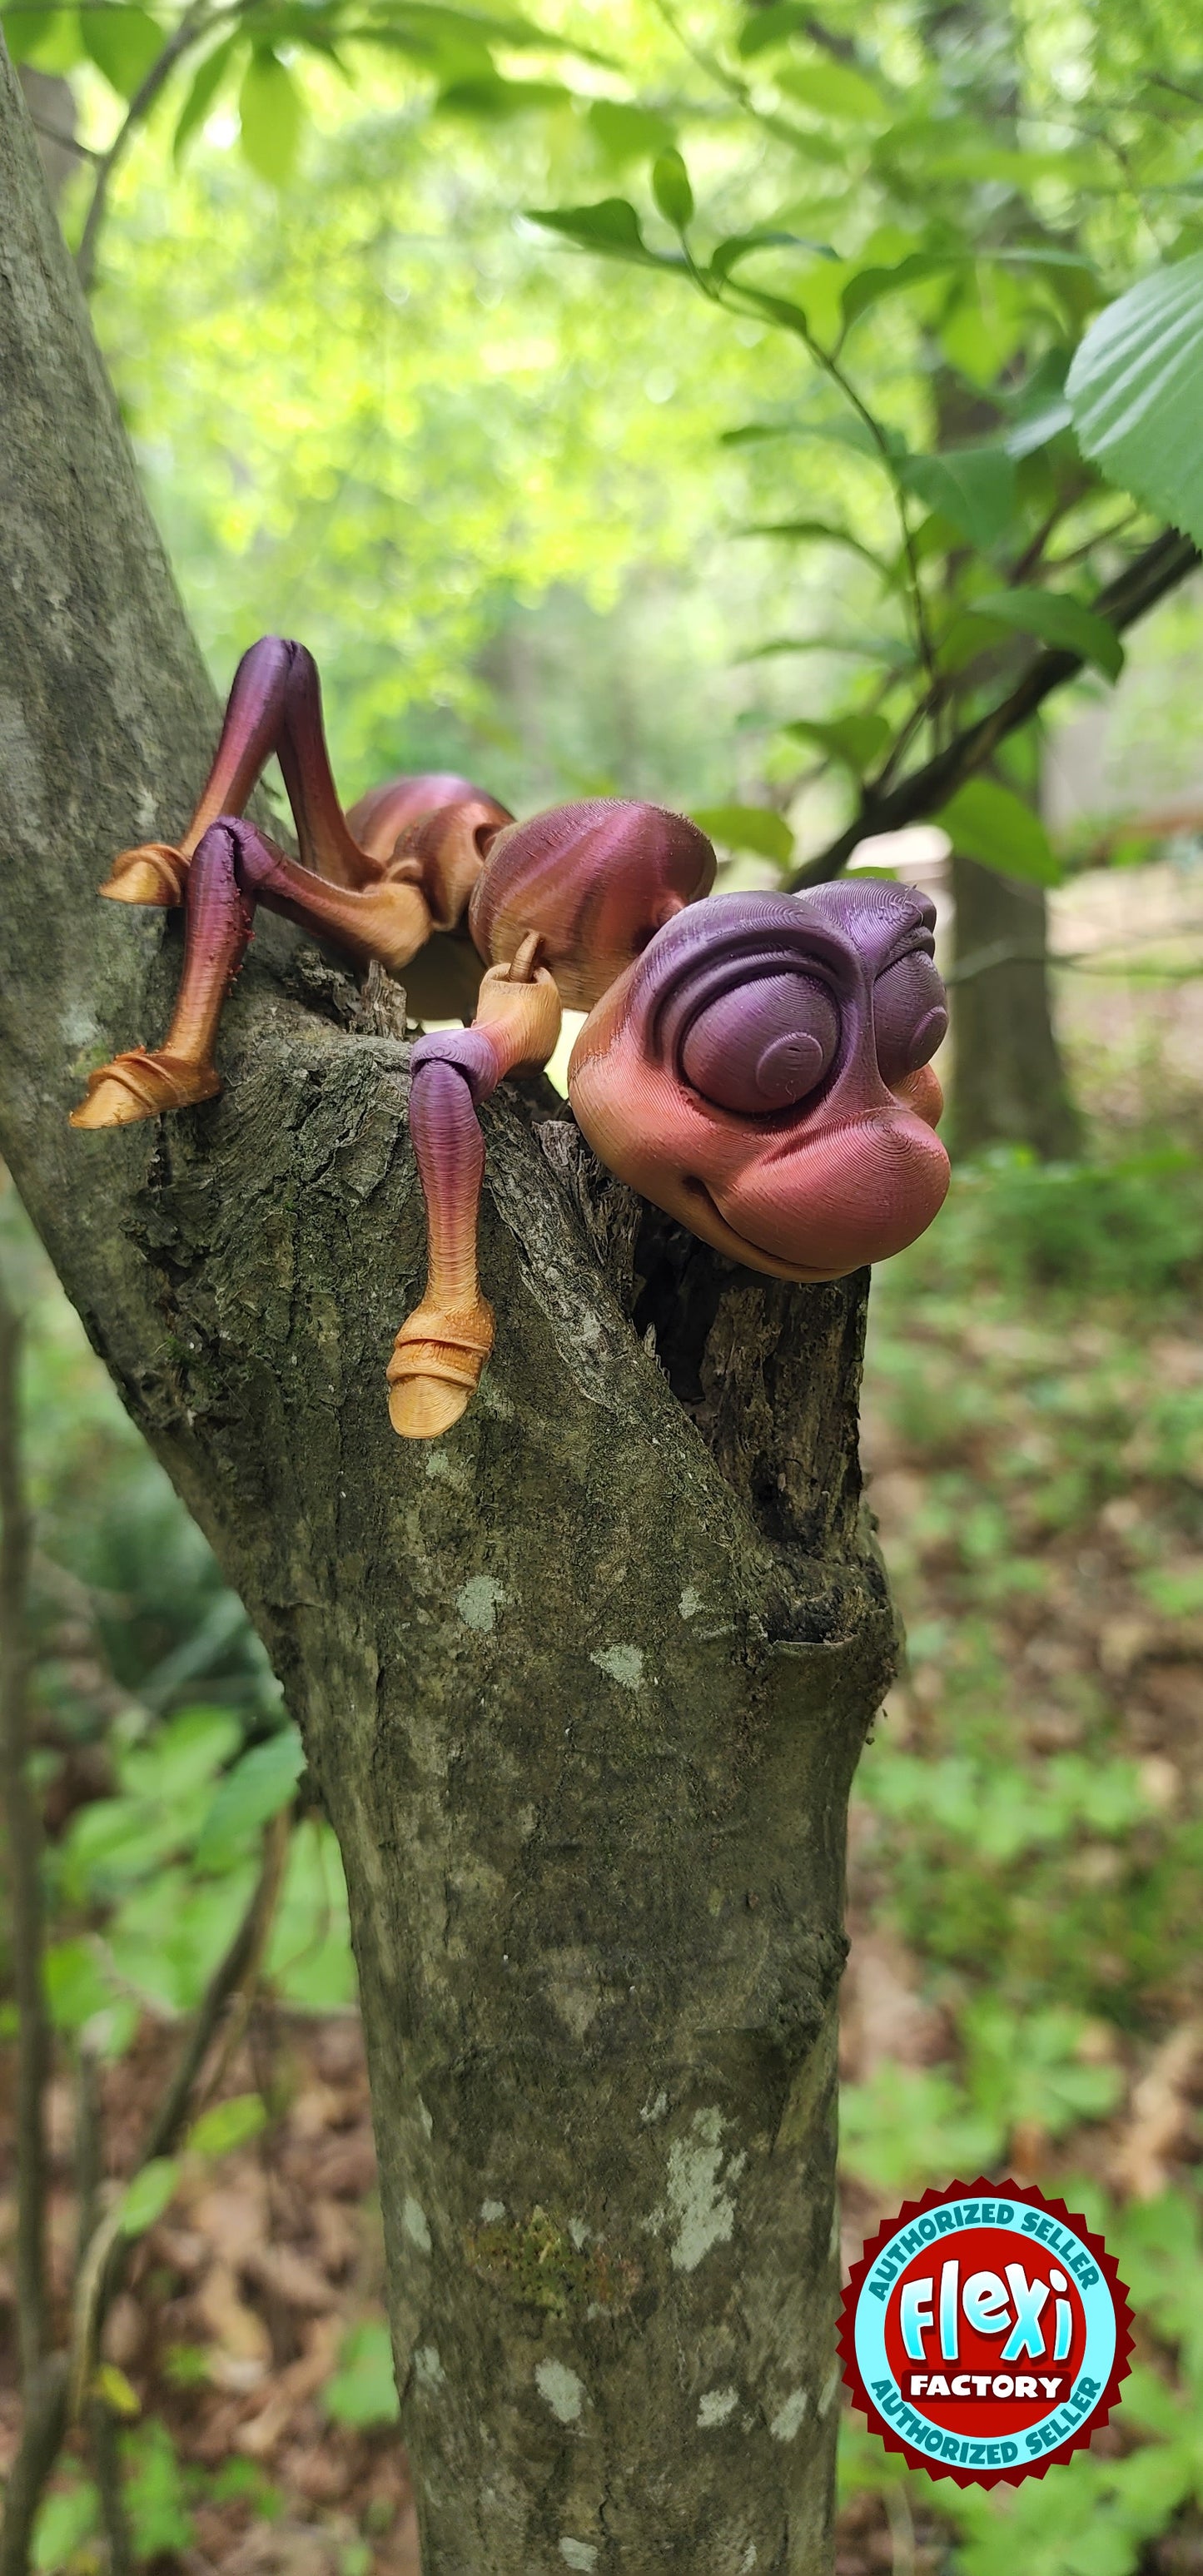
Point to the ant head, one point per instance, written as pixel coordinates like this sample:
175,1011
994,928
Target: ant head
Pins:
596,881
763,1073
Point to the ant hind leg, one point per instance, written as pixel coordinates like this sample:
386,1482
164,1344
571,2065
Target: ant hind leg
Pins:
274,706
235,868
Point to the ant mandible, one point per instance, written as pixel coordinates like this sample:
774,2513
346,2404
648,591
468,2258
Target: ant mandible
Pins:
757,1065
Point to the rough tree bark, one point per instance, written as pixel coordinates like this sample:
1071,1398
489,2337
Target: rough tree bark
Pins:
582,1686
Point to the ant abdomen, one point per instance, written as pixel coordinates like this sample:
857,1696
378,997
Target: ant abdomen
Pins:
595,881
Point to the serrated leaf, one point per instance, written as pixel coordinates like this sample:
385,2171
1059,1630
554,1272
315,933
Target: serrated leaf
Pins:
990,823
227,2125
205,85
856,740
671,189
270,113
625,132
1135,389
747,827
1057,620
611,227
254,1791
123,43
147,2196
972,487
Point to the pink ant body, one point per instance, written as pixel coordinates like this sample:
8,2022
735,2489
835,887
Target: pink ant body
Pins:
757,1065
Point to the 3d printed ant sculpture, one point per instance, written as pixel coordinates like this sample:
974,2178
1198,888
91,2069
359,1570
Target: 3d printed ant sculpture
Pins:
758,1065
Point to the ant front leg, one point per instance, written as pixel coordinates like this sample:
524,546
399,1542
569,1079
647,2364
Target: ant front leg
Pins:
274,706
235,868
441,1350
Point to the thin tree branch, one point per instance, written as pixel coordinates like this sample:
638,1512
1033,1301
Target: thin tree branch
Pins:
233,1975
89,2147
192,26
65,142
919,797
103,2264
24,1827
42,2430
105,2447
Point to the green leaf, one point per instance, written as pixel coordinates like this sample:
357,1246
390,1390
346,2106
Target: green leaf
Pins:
906,2123
772,26
123,43
740,246
253,1792
991,823
269,107
492,99
627,133
834,89
112,2388
870,284
815,531
1135,389
747,827
362,2391
226,2126
65,2520
856,740
972,487
75,1988
309,1957
154,2494
1058,620
1034,429
147,2196
672,191
205,86
889,649
611,227
50,39
178,1757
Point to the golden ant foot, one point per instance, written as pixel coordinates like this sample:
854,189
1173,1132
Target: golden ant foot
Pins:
437,1364
153,873
139,1085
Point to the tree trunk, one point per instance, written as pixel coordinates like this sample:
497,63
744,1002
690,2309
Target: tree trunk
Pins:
1009,1085
1009,1082
582,1686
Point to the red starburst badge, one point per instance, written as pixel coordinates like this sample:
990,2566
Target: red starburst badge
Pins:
985,2333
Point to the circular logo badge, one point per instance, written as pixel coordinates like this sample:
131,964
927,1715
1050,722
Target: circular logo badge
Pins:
985,2333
